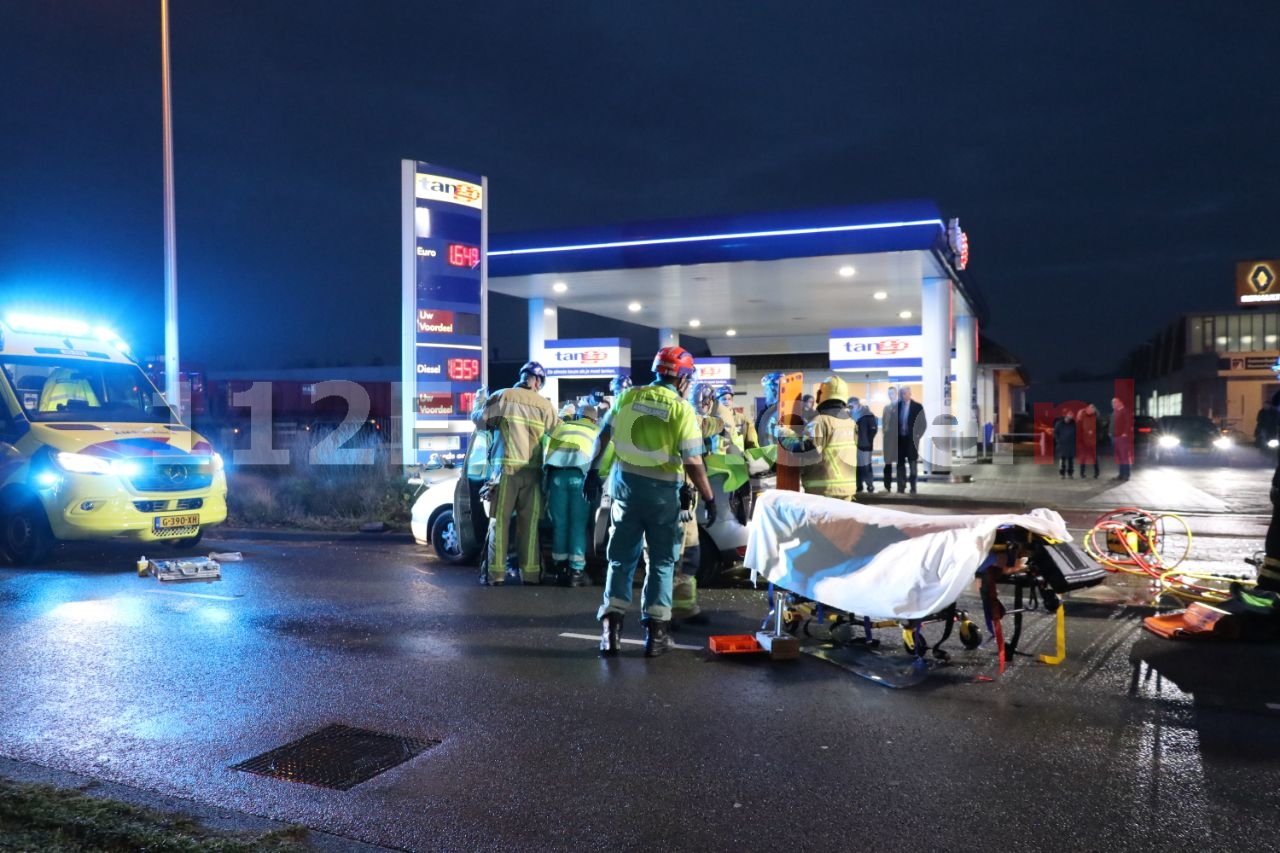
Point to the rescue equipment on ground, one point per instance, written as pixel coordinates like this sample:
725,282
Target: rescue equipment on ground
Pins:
1153,545
188,569
1246,613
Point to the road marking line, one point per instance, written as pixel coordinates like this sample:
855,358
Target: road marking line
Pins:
194,594
630,642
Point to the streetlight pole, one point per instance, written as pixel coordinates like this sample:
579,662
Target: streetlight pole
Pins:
172,377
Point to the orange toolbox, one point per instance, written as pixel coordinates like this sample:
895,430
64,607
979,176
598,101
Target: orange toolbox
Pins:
735,644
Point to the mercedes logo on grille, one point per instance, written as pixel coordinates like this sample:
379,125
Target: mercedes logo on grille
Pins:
175,474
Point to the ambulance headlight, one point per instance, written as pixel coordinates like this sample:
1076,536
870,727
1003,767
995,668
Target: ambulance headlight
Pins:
1169,441
82,463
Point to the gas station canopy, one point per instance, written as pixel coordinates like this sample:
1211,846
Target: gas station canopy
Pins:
748,284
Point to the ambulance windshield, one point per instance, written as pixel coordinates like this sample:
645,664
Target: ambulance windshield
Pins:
58,389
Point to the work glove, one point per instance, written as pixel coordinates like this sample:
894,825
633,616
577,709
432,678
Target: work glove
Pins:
688,500
710,508
488,490
592,487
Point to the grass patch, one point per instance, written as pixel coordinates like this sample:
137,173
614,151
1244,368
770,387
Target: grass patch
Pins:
321,488
45,818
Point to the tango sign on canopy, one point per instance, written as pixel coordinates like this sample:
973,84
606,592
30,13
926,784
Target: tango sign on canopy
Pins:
876,348
587,357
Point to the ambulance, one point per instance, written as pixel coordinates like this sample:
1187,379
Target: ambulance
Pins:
89,450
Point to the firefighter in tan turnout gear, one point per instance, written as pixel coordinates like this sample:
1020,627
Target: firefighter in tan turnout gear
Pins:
523,419
828,447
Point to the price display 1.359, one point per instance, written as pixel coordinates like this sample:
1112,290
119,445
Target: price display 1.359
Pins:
463,369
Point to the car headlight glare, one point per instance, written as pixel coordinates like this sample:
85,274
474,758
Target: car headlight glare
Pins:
83,463
80,463
1222,442
1169,441
1273,442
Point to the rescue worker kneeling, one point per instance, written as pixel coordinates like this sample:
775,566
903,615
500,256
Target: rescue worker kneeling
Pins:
828,447
658,444
568,453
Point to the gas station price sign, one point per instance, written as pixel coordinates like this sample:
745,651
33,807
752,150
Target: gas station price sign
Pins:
443,224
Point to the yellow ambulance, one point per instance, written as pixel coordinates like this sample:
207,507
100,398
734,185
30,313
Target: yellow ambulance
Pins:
88,448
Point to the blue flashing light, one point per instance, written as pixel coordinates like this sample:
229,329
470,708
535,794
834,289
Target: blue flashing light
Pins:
63,326
702,238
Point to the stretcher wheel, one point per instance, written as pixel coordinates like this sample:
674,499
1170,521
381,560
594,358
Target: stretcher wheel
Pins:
842,633
970,634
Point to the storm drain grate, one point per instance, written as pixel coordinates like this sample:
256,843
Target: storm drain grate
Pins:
336,756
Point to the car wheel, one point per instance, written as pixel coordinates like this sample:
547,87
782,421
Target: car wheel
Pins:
187,541
25,537
708,560
444,538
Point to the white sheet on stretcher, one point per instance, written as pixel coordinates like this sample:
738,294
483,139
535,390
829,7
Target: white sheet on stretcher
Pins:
871,561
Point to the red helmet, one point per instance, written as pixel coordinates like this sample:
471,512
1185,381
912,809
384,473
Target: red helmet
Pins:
674,362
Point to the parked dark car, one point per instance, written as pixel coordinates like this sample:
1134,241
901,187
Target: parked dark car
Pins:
1145,428
1189,437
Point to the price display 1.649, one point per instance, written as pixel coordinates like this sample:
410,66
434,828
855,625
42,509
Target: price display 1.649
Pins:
462,255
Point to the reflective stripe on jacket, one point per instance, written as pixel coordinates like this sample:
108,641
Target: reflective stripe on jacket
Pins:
571,445
522,418
835,441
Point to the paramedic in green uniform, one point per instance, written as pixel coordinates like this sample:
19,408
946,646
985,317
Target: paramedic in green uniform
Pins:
657,440
569,452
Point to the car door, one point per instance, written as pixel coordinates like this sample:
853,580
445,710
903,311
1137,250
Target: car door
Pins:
469,512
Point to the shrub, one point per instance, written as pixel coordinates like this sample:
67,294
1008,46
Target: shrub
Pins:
320,488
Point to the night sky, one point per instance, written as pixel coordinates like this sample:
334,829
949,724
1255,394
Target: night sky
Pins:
1110,161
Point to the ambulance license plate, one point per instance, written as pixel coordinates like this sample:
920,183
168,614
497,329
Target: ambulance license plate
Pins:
176,525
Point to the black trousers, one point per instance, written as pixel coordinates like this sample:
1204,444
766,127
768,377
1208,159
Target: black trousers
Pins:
908,458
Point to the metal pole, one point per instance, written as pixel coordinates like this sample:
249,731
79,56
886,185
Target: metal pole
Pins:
172,377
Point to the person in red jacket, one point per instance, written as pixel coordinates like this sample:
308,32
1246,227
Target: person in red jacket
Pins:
1087,440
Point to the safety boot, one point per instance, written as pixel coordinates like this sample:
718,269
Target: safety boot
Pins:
578,578
657,638
610,634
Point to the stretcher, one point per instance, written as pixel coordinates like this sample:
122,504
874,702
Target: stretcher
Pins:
838,570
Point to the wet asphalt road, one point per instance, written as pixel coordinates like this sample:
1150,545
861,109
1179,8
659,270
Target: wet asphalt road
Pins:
1133,743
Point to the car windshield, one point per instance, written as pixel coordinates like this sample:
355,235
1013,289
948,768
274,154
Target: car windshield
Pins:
71,390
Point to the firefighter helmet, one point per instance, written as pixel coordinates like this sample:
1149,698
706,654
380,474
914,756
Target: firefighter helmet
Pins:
532,368
724,391
674,362
833,388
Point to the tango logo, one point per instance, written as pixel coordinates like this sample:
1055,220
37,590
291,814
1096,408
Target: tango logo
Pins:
437,188
588,356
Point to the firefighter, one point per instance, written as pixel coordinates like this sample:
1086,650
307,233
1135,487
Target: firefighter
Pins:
522,419
742,431
658,446
569,452
828,447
